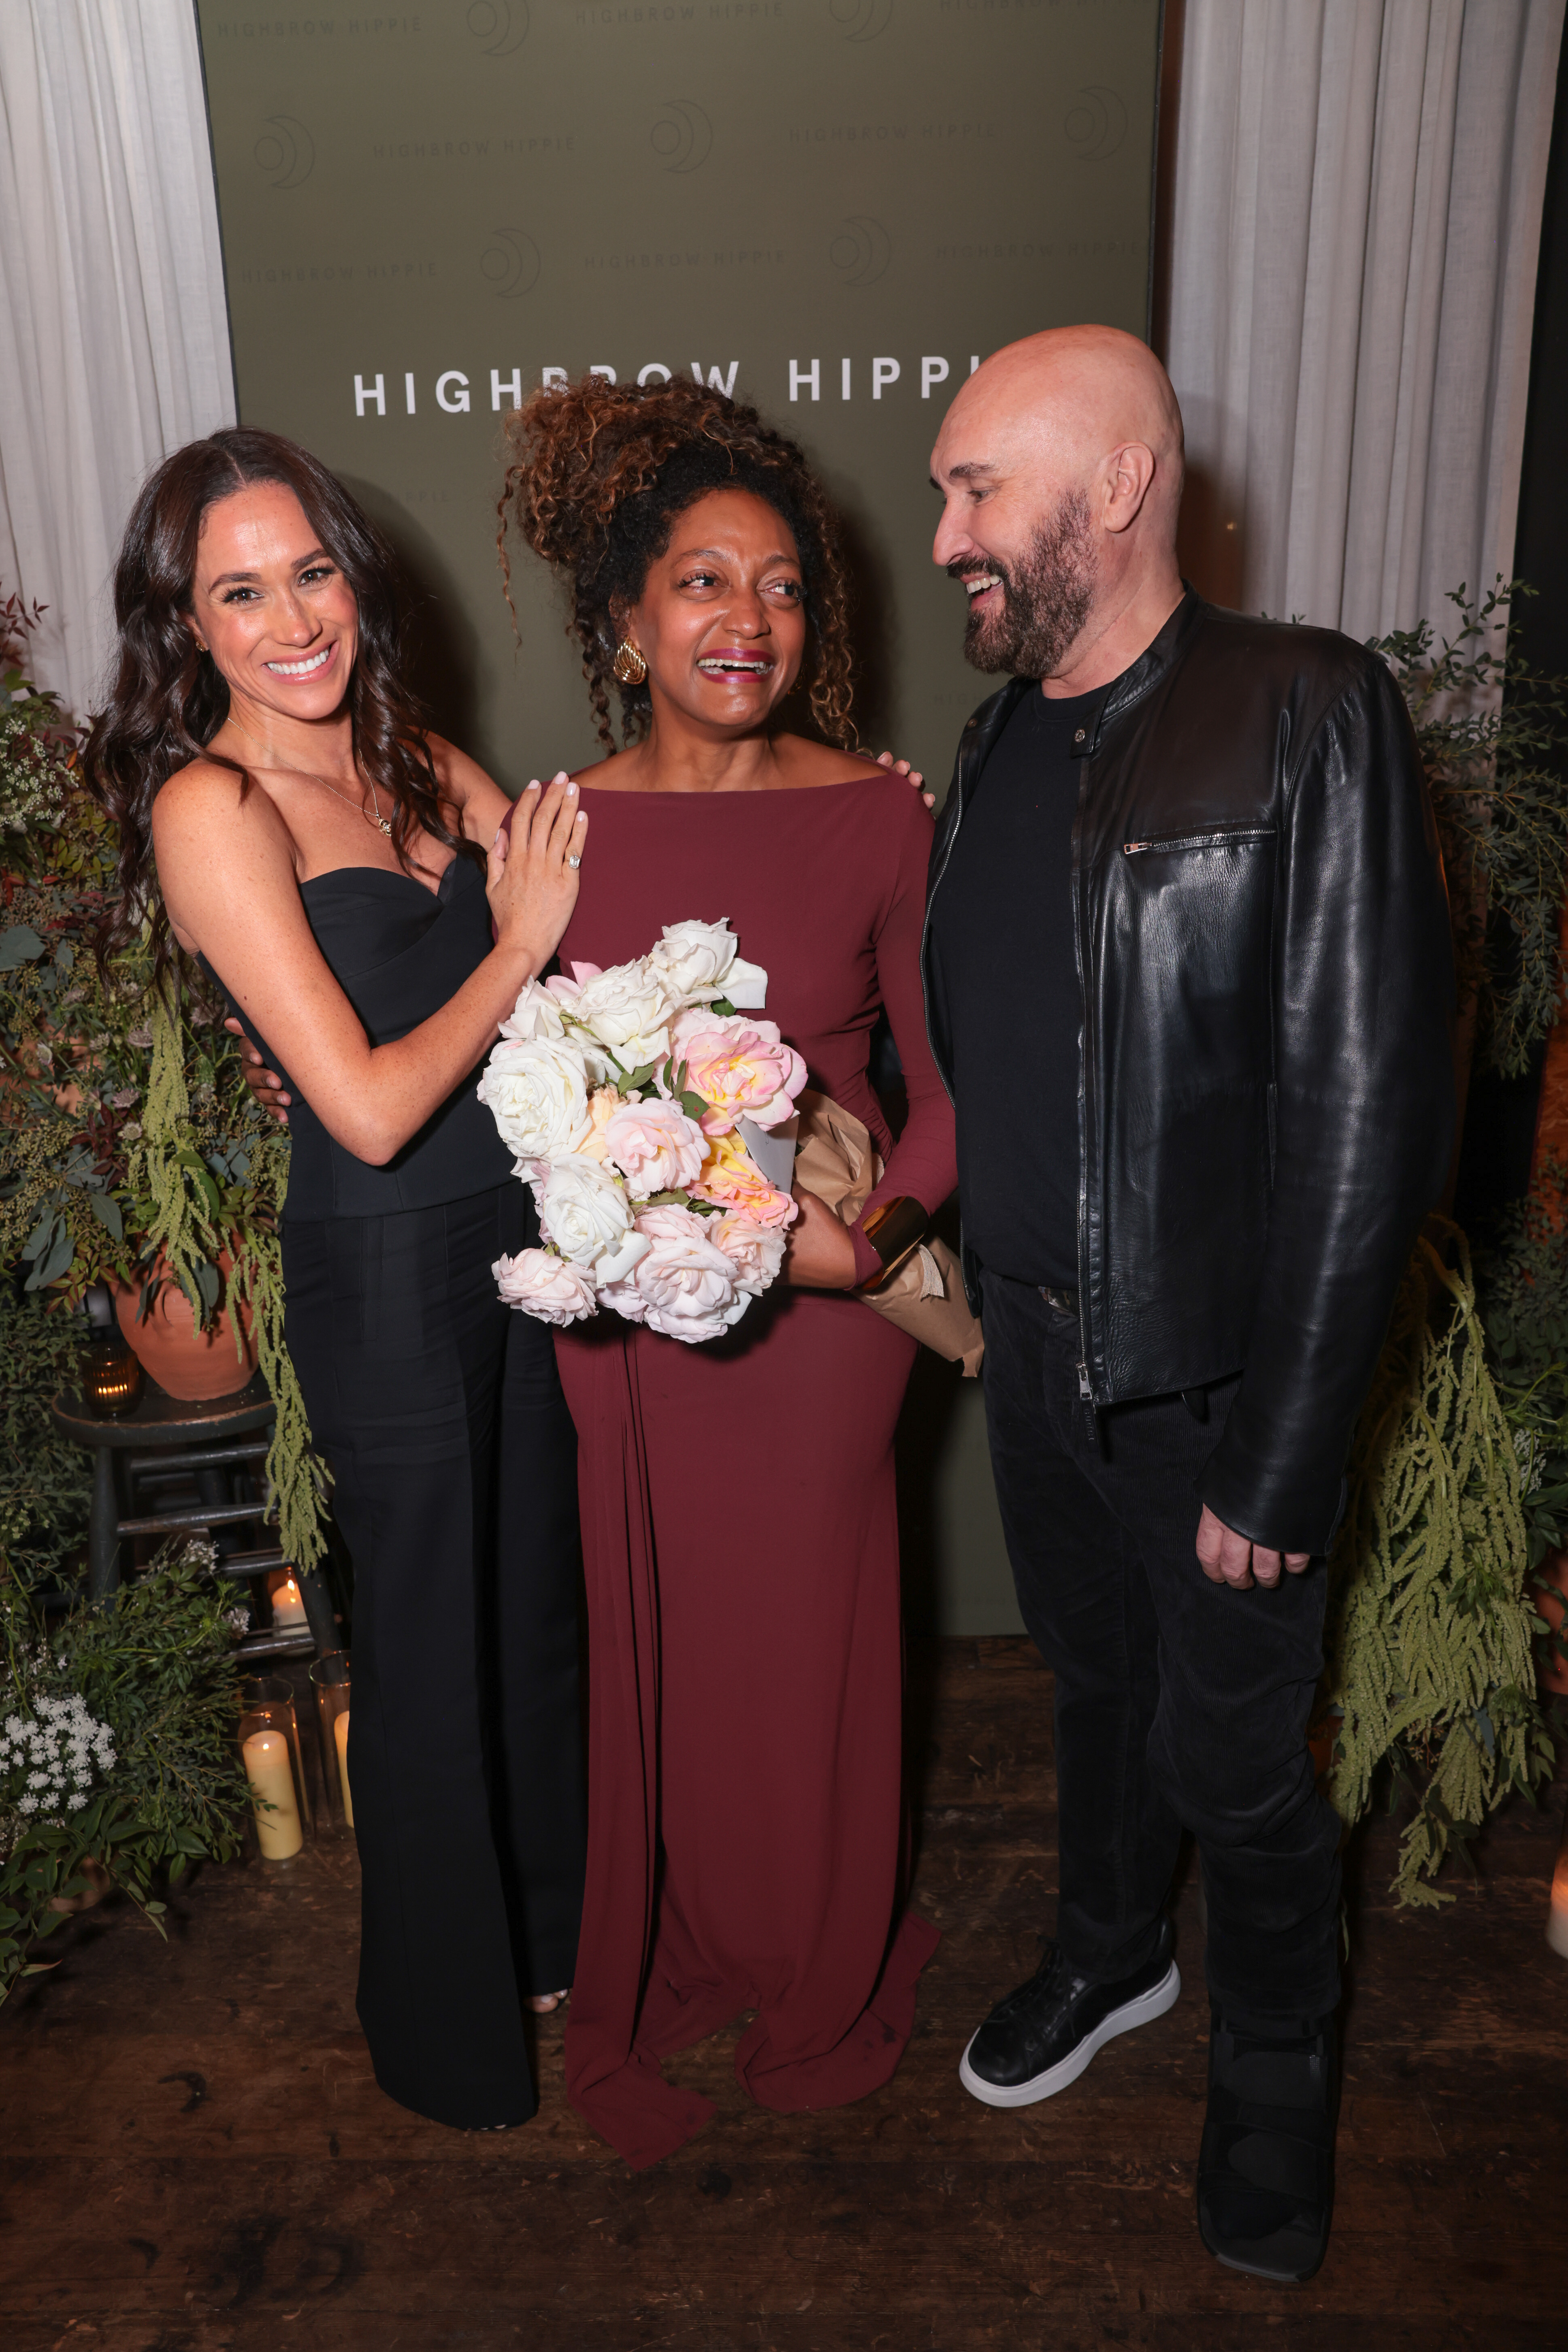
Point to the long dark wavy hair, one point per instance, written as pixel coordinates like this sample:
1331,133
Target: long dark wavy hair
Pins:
169,700
597,474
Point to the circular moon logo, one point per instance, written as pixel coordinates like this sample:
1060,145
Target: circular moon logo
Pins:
682,135
1096,124
499,27
285,152
860,250
860,20
510,262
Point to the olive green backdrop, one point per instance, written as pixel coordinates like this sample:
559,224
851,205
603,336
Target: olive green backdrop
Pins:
830,207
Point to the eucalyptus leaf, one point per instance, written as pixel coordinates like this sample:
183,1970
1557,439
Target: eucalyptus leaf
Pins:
38,1240
19,945
106,1209
50,1268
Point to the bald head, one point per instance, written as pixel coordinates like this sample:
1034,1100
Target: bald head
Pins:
1060,464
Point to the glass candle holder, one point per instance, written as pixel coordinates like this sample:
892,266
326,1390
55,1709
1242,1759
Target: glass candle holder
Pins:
110,1375
330,1681
273,1766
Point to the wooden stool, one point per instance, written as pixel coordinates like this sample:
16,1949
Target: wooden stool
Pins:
215,1442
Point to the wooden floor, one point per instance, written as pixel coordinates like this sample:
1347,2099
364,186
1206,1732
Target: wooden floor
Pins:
193,2155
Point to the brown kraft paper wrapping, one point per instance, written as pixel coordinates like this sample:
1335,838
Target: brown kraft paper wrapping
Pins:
835,1158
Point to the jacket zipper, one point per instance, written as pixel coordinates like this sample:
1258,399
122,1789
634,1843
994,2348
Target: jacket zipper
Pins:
1218,838
1085,1379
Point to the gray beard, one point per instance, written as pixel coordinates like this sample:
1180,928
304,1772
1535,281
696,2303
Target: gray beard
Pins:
1045,601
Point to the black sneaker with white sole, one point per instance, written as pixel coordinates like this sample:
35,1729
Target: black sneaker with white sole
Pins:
1266,2170
1042,2037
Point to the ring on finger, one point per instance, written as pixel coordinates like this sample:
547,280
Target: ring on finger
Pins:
573,861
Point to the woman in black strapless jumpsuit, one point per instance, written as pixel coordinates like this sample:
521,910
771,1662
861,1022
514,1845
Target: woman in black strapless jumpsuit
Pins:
454,1482
285,812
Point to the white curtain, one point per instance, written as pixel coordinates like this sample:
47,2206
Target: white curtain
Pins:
113,329
1358,188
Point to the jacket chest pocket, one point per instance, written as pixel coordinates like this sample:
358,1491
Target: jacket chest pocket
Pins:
1204,901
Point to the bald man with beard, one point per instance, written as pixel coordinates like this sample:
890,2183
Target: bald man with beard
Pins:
1189,983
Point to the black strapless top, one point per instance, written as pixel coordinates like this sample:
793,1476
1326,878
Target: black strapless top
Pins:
398,951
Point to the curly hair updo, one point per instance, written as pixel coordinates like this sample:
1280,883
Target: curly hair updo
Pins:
597,476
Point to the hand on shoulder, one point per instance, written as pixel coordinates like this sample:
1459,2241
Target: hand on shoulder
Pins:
464,786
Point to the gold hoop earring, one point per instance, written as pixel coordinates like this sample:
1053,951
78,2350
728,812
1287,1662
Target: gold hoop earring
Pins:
628,665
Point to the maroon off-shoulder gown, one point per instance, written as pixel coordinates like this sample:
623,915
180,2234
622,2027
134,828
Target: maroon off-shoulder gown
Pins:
739,1527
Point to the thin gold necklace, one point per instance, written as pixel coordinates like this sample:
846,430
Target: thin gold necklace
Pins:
383,824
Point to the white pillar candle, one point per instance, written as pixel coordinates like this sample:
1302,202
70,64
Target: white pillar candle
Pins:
287,1607
341,1736
272,1795
1557,1917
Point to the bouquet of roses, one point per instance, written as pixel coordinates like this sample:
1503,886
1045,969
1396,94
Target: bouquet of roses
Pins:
635,1100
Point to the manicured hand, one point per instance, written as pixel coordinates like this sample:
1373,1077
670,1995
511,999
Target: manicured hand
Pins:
1226,1558
821,1255
532,879
902,767
264,1084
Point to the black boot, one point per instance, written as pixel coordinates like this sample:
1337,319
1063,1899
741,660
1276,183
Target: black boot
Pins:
1042,2037
1266,2170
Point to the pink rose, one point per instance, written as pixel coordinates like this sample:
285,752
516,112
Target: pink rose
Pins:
756,1252
685,1287
546,1287
737,1066
603,1105
731,1179
656,1147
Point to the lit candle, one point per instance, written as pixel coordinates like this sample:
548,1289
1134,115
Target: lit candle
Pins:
340,1734
272,1795
1557,1917
287,1608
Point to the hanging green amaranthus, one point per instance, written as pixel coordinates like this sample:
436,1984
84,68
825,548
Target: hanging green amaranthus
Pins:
1430,1622
200,1204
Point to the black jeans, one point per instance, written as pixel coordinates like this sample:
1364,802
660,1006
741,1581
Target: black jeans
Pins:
454,1463
1179,1703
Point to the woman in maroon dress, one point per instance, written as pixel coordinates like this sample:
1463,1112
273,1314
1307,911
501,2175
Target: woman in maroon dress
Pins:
745,1839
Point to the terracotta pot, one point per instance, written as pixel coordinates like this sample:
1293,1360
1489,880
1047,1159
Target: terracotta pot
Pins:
1552,1607
186,1363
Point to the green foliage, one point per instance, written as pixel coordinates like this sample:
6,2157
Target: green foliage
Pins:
129,1140
153,1669
46,1481
1494,753
1524,1307
1429,1625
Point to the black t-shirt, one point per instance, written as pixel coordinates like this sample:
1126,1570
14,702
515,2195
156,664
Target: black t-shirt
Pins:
1003,961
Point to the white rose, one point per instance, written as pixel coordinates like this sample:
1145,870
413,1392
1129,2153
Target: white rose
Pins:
535,1015
546,1287
684,1287
755,1252
701,960
627,1010
585,1213
536,1090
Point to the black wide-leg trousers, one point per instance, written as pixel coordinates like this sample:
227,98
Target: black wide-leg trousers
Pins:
455,1485
1179,1703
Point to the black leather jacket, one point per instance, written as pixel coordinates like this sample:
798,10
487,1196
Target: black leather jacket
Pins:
1266,1097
